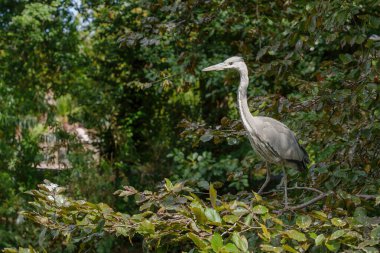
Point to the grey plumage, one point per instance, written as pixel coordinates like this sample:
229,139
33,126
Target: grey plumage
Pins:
276,143
271,139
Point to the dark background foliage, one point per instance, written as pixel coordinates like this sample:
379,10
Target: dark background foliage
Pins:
130,71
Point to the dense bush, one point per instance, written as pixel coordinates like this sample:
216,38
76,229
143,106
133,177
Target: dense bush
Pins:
176,218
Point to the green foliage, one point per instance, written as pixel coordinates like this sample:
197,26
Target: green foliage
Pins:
175,217
130,72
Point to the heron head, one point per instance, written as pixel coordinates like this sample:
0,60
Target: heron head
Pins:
234,62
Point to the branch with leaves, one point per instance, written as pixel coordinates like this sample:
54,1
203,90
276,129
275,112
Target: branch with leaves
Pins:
174,215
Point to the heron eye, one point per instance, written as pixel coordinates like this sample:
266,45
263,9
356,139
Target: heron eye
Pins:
230,63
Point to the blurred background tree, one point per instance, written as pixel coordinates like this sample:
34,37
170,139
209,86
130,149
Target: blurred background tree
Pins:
129,72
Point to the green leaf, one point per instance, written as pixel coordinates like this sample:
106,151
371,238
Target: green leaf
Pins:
216,242
198,212
230,218
375,233
354,234
259,209
320,238
231,248
303,221
122,231
240,241
212,215
146,228
368,243
338,222
213,195
270,248
168,184
345,58
248,219
332,246
288,248
206,137
265,231
296,235
10,250
319,215
337,234
199,242
370,250
257,197
377,200
232,141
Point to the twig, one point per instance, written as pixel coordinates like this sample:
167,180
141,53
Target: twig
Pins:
229,230
310,202
306,188
365,196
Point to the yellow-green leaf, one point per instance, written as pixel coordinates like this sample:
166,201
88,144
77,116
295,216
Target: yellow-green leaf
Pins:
375,233
240,241
198,212
259,209
199,242
213,195
288,248
257,197
296,235
332,246
270,248
265,231
337,234
377,200
320,238
230,248
168,184
216,242
230,218
338,222
146,228
303,221
212,215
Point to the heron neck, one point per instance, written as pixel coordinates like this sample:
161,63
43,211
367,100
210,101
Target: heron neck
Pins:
242,97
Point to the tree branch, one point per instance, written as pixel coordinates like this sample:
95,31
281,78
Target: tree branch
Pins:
308,203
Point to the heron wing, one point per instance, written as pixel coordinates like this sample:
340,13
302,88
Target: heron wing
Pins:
279,138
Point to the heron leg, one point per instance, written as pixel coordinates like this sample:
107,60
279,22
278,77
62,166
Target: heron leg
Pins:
267,179
285,190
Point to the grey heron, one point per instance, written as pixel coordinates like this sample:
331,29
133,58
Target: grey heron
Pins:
270,138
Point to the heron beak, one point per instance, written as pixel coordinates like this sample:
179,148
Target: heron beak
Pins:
219,66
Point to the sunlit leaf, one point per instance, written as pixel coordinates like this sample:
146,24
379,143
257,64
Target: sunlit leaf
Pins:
230,218
288,248
270,248
146,227
375,233
259,209
216,242
296,235
303,221
265,231
199,242
319,240
240,241
213,195
333,246
212,215
338,222
206,137
231,248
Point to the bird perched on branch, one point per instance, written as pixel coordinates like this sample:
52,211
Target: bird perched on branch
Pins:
270,138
